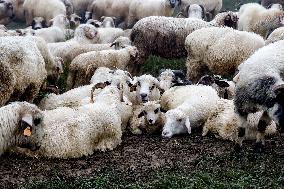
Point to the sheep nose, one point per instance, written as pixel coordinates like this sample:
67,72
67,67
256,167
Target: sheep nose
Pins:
143,95
37,28
151,121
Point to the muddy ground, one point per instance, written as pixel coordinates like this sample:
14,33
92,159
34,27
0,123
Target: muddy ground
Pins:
153,162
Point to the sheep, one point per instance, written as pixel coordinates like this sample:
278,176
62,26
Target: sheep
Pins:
70,133
169,78
192,113
259,87
276,35
267,3
113,8
6,11
38,23
22,68
108,35
15,119
108,22
147,118
95,23
165,36
42,8
223,123
212,7
139,9
255,18
208,54
224,88
75,21
55,33
84,65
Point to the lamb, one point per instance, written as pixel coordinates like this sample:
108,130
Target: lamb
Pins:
147,118
65,132
169,78
223,123
6,11
224,88
208,54
276,35
38,23
113,8
55,33
165,36
22,68
260,87
139,9
84,65
200,102
212,7
42,8
255,18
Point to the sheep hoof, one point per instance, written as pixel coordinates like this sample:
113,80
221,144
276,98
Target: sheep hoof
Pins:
238,148
259,147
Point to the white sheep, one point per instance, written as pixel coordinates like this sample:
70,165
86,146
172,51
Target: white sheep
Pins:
139,9
260,87
147,118
212,7
218,51
255,18
193,112
224,123
42,8
165,36
83,66
71,133
276,35
55,33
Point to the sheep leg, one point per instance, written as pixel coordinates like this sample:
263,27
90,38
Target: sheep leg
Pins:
205,130
264,121
241,132
195,69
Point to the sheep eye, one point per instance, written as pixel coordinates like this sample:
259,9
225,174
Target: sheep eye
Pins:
138,83
179,120
151,88
156,111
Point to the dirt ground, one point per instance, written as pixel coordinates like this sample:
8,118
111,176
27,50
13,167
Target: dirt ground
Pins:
135,161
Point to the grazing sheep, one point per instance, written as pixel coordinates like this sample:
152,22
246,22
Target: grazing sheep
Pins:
170,78
83,66
165,36
223,123
224,88
55,33
208,54
73,133
147,118
255,18
193,112
6,11
108,22
22,68
139,9
212,7
39,23
42,8
112,8
74,20
15,120
260,87
276,35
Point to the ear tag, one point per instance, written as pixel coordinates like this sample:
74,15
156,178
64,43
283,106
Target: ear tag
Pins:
27,132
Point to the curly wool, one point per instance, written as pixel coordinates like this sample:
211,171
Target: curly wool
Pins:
255,18
208,54
22,69
276,35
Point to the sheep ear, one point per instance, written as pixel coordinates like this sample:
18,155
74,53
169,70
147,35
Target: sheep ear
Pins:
203,12
141,114
50,22
27,118
222,84
187,124
102,18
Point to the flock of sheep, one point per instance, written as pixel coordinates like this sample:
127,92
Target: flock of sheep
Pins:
102,44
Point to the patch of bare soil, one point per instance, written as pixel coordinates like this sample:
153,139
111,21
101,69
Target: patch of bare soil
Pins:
132,160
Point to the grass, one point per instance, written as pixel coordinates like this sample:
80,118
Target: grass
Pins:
229,171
